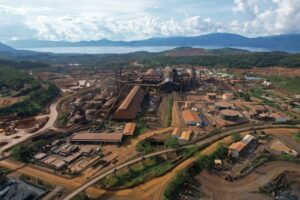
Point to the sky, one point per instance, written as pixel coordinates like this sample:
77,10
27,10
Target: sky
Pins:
78,20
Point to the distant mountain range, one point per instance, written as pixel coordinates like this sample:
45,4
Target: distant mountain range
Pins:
287,42
5,48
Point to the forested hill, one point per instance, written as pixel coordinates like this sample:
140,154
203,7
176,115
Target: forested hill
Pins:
5,48
30,95
225,57
222,58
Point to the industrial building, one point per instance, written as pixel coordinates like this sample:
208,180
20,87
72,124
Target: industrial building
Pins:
131,105
223,105
176,132
186,136
152,73
237,148
230,115
228,96
190,117
168,74
97,137
129,129
211,96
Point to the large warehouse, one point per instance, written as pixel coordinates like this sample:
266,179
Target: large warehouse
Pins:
97,137
131,105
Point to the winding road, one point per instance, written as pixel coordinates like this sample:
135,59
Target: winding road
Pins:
209,140
53,114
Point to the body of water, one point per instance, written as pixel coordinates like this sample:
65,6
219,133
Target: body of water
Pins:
252,78
122,50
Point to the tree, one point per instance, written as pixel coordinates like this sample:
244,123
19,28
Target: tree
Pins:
81,196
172,142
204,162
236,137
144,147
22,152
297,136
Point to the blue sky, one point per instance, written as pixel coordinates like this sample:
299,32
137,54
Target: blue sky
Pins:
139,19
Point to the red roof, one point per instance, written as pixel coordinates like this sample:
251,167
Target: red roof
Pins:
97,137
189,116
131,104
129,128
238,146
129,97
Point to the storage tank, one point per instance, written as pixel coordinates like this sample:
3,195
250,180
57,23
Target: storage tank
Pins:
228,96
230,115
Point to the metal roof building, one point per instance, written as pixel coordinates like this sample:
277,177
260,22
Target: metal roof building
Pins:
247,139
152,73
190,117
131,104
98,137
236,148
129,129
186,135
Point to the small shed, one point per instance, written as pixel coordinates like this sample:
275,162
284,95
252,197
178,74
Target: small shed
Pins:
129,129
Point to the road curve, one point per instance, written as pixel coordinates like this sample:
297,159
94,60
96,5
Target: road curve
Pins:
208,140
53,114
222,189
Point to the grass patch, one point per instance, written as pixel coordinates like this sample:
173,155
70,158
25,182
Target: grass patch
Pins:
297,136
137,174
290,84
63,119
141,126
168,119
258,92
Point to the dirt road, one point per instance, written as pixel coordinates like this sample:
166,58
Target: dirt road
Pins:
23,135
154,189
222,189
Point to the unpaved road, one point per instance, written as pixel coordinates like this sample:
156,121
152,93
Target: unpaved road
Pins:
26,136
225,190
154,189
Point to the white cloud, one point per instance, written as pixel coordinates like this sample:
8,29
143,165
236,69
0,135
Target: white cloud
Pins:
281,16
137,19
93,27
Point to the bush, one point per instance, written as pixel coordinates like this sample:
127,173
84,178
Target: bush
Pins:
81,196
297,136
172,142
204,162
236,137
175,185
110,181
141,126
144,147
168,119
24,152
63,119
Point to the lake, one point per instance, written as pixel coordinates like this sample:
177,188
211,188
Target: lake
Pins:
121,50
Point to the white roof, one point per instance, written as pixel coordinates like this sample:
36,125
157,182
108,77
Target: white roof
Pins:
247,139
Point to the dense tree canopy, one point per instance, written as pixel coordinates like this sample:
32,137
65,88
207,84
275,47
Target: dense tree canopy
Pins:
33,93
